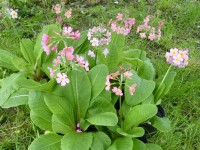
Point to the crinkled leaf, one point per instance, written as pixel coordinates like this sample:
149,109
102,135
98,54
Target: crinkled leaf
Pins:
26,47
124,143
97,76
162,124
139,114
40,113
101,141
49,141
77,141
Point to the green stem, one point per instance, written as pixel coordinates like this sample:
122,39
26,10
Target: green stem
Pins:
157,90
96,56
120,104
15,29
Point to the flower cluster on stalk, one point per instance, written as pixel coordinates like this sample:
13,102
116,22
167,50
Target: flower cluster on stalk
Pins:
121,25
149,32
12,13
117,78
177,57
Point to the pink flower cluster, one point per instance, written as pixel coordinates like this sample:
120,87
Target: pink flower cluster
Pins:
58,10
127,25
99,36
68,31
177,57
62,79
115,77
82,62
146,31
46,45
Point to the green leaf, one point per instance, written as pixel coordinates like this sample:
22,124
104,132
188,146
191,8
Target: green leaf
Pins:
139,114
162,124
150,146
133,132
135,53
97,76
143,90
22,66
103,119
9,87
134,62
147,71
20,97
78,43
80,89
124,143
49,141
6,60
101,141
77,141
138,145
61,108
40,113
26,47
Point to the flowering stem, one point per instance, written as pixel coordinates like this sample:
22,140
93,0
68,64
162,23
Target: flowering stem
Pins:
96,56
158,89
120,104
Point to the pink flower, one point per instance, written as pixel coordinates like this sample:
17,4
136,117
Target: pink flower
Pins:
146,20
119,16
68,13
45,38
56,61
143,35
51,72
151,36
62,79
86,66
95,42
69,56
117,91
76,35
91,54
67,31
132,88
54,48
105,52
57,8
80,59
59,19
108,83
128,74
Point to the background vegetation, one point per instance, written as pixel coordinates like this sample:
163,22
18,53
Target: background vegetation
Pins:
181,30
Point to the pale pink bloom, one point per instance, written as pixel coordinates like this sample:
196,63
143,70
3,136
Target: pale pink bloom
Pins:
67,31
69,56
169,57
114,75
54,48
117,91
146,20
59,19
151,36
119,16
51,72
57,8
159,34
128,74
68,49
56,61
106,52
91,54
62,79
132,88
161,24
86,66
46,38
13,14
46,49
89,35
173,51
76,35
80,59
95,42
78,128
68,13
143,35
183,54
108,83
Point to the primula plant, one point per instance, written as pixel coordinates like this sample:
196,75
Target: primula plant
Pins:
86,91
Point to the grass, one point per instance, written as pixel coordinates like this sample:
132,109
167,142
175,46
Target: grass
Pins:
181,30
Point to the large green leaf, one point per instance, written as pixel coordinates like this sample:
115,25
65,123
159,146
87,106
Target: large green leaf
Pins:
150,146
135,53
134,62
97,76
124,143
139,114
49,141
26,47
133,132
103,119
79,92
9,87
77,141
6,60
20,97
61,108
143,90
78,43
101,141
162,124
147,71
40,113
138,145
